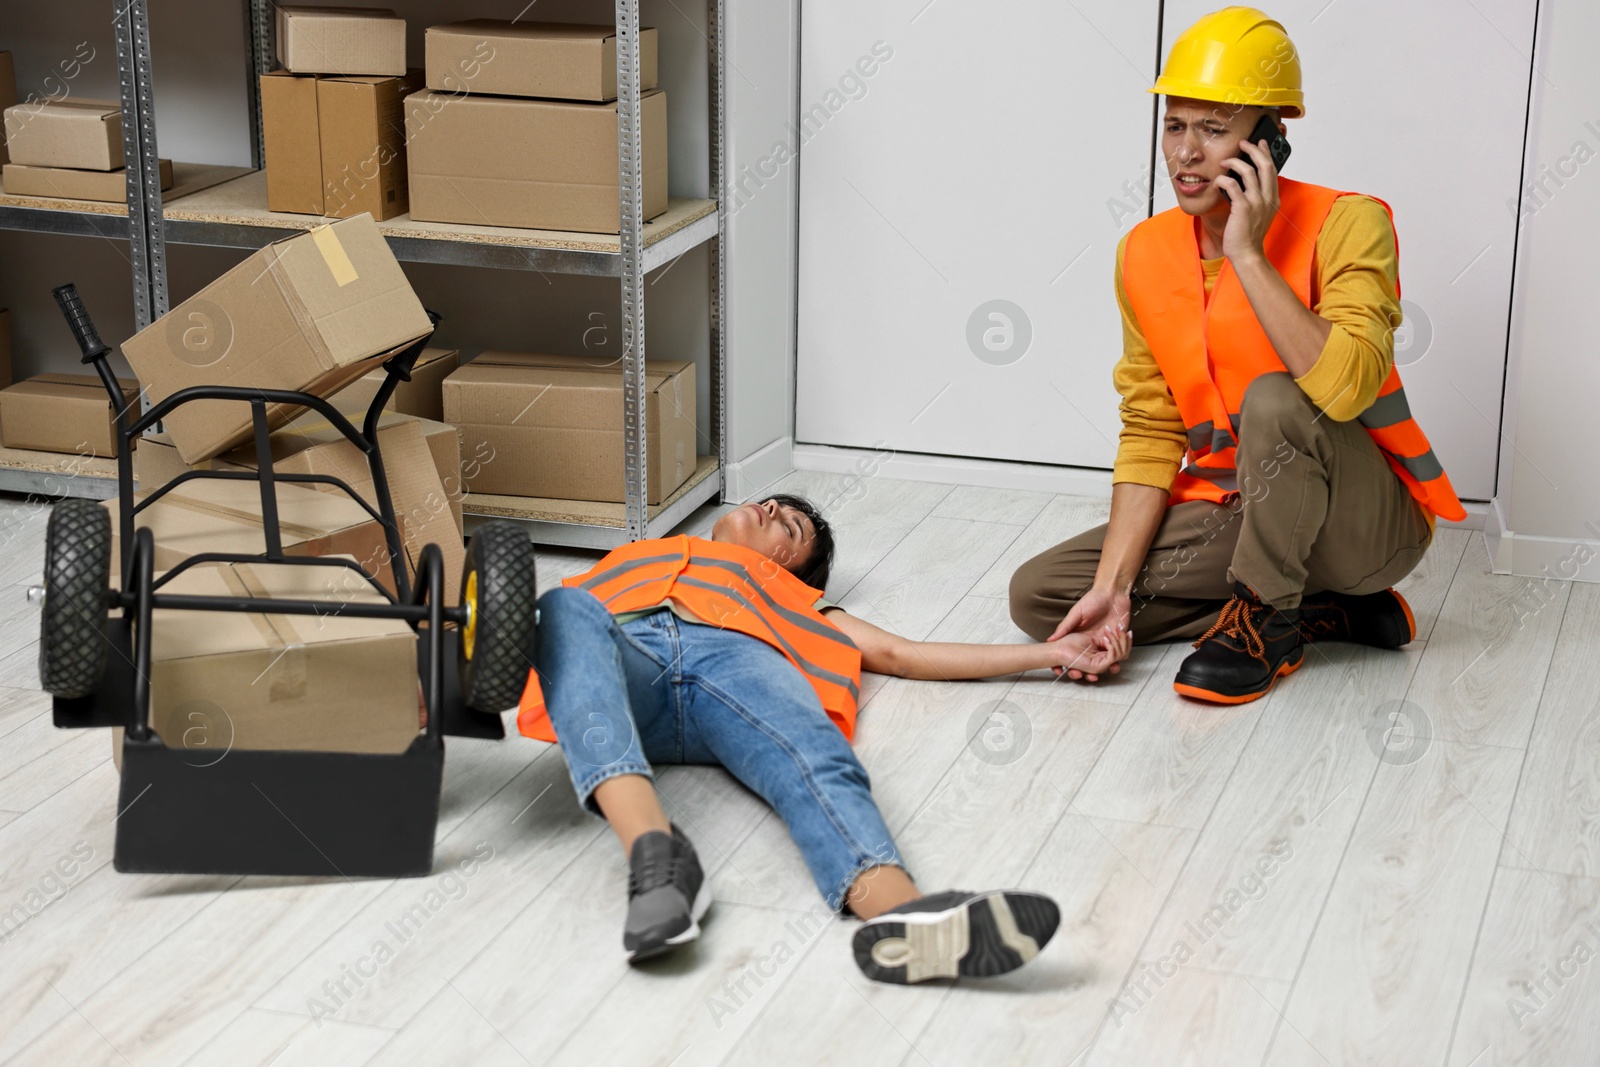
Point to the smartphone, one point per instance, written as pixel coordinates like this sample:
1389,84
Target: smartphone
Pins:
1277,146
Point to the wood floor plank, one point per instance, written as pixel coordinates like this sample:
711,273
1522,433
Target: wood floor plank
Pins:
448,1030
268,1039
1390,953
926,574
1487,656
1249,896
18,706
1109,879
1171,756
1064,517
1193,1017
1555,821
1015,507
1535,981
35,736
58,767
80,814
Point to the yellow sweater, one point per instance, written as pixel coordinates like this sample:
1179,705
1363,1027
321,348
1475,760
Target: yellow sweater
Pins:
1353,288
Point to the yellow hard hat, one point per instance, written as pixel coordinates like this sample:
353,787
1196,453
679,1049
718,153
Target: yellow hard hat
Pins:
1235,56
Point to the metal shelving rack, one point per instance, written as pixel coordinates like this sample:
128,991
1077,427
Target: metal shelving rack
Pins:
213,217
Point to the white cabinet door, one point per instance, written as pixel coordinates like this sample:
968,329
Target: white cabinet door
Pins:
959,214
1424,105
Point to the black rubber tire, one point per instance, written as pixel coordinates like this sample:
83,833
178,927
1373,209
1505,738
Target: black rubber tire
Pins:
493,678
77,577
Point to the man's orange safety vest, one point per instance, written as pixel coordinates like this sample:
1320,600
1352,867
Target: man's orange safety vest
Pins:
1210,351
728,586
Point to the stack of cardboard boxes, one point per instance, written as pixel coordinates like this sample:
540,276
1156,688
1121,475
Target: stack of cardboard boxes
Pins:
311,313
518,127
332,117
69,148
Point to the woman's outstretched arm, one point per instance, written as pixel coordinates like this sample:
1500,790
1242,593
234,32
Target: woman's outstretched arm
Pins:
883,652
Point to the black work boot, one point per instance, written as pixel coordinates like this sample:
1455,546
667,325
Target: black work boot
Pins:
1382,619
667,894
1248,648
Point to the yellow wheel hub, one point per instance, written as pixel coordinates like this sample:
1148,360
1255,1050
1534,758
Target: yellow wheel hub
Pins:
469,597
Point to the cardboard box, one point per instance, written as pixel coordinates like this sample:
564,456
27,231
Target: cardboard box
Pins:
63,413
109,186
554,60
543,164
156,462
75,132
310,313
341,40
8,97
421,503
551,426
225,516
336,146
422,396
227,680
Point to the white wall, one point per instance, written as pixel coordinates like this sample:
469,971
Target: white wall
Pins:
199,66
1001,144
1545,519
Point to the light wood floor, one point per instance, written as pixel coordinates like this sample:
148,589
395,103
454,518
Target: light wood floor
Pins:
1394,859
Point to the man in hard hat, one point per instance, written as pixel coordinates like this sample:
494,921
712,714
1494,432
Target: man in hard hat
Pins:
1270,485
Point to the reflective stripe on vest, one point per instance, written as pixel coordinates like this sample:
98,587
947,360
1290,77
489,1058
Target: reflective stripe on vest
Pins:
731,587
1209,351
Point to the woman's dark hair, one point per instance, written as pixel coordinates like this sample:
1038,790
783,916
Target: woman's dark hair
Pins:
814,571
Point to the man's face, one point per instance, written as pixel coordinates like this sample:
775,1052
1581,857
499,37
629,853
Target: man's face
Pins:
1196,137
781,533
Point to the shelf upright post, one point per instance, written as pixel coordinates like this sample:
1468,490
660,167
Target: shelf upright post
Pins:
258,30
146,242
716,92
630,151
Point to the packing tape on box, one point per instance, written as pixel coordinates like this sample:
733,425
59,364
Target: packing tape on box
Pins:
333,254
285,675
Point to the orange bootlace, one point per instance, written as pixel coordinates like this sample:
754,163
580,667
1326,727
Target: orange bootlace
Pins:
1235,621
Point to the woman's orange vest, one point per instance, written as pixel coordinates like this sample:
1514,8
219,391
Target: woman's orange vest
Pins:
1210,351
728,586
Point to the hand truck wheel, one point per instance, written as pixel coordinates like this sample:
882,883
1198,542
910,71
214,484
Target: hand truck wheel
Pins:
499,592
77,576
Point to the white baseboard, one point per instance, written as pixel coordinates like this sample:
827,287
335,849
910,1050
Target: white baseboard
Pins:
957,470
1555,558
758,470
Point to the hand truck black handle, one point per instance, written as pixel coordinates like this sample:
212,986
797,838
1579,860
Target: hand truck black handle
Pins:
78,319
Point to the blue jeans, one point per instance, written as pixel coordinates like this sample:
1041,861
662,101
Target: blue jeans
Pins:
662,690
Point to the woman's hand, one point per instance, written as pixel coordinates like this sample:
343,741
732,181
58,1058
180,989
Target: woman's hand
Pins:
1089,655
1095,611
1253,193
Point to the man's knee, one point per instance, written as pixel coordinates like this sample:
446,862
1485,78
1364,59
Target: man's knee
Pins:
566,605
1275,394
1039,600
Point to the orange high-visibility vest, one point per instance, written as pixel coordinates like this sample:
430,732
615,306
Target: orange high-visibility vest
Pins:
1210,351
732,587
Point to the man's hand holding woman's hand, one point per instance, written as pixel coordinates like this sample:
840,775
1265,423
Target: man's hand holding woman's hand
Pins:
1101,621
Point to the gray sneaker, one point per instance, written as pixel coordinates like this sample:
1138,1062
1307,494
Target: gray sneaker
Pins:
955,934
667,894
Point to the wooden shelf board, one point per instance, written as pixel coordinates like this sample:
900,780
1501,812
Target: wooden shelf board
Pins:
585,512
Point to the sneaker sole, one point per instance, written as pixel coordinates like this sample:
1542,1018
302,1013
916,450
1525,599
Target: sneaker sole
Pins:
697,911
1411,620
1214,696
988,935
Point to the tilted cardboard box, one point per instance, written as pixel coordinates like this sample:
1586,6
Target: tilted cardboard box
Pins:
310,313
542,164
552,426
221,681
341,40
336,146
63,413
74,132
554,60
422,396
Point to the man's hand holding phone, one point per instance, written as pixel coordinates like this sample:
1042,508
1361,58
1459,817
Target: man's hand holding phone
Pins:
1252,192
